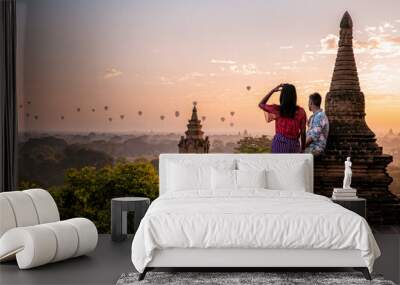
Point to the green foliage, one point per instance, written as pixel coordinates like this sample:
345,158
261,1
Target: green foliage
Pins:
23,184
88,191
254,145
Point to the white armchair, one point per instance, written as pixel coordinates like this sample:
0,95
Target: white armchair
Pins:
31,230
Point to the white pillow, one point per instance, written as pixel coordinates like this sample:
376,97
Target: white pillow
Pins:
188,177
282,174
251,178
223,179
287,175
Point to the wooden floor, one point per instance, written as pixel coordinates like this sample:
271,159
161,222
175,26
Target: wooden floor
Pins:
111,259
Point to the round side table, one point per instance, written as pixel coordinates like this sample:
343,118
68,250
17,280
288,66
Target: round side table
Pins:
119,211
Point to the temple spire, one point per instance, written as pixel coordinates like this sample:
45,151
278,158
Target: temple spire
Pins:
194,141
346,22
349,135
194,127
194,114
345,75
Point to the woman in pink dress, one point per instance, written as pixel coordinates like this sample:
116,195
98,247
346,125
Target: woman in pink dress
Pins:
290,120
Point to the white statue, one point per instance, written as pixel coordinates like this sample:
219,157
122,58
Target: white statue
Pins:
347,174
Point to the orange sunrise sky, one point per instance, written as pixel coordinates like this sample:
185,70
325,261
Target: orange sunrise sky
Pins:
160,56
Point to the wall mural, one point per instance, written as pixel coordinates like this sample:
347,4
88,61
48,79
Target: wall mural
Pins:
104,87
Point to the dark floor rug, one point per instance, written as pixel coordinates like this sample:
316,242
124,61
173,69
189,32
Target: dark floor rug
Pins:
229,278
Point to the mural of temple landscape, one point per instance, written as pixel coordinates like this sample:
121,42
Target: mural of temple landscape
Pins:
57,152
105,88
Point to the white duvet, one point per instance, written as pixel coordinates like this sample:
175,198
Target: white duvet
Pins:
250,219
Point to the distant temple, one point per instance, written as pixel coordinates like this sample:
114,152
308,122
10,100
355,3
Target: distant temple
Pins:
194,141
350,136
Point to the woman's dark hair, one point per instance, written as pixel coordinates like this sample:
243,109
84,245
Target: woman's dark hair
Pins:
288,101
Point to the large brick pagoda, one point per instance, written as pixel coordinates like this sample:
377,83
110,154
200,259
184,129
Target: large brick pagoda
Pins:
350,136
194,142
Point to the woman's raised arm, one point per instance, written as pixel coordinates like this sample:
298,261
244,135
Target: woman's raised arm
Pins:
266,97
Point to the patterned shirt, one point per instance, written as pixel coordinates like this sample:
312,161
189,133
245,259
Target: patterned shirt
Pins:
288,127
318,129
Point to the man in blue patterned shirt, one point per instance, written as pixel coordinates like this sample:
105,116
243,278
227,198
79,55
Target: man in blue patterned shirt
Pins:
318,126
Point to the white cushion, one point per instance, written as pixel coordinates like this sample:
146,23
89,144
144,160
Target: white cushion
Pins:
87,235
67,240
223,179
187,174
282,174
45,206
7,218
188,177
251,178
33,246
40,244
23,208
287,175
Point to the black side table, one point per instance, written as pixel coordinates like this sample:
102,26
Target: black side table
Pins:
357,205
119,211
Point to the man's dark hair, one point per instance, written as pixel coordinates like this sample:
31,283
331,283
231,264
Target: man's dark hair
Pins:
288,101
316,99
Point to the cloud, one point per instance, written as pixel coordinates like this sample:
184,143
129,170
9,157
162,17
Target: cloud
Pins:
386,46
393,39
288,67
286,47
388,25
191,75
222,61
329,44
112,72
235,67
379,45
166,80
383,28
370,29
371,43
247,69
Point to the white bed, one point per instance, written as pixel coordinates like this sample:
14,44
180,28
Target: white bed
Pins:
218,224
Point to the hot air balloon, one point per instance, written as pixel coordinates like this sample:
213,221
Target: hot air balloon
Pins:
203,118
106,108
177,113
248,88
78,109
231,124
140,113
36,117
162,117
222,119
93,110
122,117
110,119
62,117
232,113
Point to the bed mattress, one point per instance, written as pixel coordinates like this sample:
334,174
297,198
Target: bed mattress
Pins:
250,219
